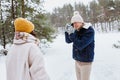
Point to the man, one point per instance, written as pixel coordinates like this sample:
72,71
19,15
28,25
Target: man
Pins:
83,45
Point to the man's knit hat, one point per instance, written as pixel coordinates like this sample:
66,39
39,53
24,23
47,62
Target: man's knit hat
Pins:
77,18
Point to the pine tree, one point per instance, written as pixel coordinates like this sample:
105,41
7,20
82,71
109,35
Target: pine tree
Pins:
28,9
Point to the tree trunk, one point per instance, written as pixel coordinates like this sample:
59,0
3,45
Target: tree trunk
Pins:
23,9
16,12
13,12
4,39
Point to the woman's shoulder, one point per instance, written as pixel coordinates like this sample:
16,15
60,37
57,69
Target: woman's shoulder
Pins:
31,44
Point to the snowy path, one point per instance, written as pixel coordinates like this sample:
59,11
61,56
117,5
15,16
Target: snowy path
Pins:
60,65
59,61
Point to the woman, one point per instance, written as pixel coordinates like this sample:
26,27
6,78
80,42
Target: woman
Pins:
24,59
83,46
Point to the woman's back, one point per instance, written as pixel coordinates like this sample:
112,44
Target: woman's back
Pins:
25,60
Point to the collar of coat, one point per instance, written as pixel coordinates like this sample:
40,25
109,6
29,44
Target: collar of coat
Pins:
23,37
87,25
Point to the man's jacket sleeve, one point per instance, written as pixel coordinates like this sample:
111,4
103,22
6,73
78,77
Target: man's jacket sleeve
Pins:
67,39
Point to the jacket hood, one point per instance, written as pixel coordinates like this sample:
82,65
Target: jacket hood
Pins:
23,37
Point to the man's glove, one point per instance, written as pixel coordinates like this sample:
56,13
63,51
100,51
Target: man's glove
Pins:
69,29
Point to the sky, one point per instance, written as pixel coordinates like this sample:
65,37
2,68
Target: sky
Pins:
49,5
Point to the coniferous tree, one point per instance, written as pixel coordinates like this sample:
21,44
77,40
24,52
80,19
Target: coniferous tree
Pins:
30,9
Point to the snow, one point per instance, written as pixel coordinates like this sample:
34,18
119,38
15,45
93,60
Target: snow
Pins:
60,65
2,68
112,8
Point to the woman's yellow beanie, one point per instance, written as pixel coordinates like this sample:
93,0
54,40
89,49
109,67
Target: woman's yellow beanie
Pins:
23,25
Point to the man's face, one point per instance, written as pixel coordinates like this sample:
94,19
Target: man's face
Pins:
77,25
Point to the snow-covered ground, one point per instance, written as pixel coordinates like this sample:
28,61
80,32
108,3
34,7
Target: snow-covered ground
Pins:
60,65
2,68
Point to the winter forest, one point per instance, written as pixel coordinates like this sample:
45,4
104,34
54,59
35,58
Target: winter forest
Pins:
104,15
